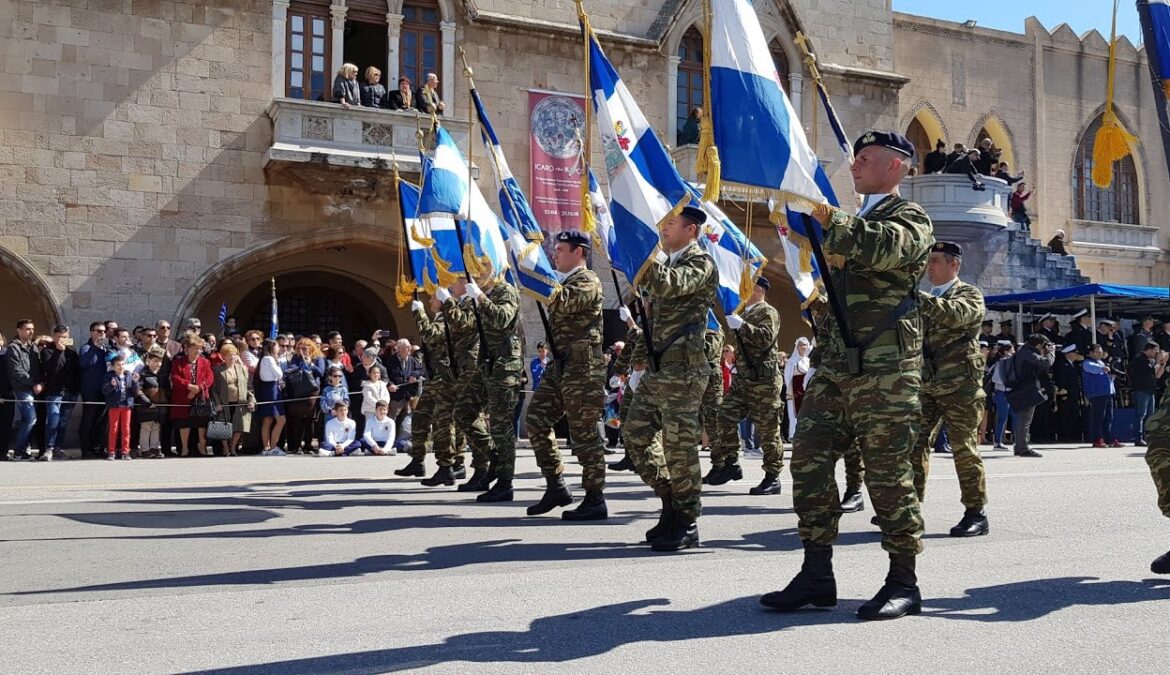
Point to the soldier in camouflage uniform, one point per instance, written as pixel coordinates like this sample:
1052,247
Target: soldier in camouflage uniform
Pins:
713,391
754,393
866,384
952,381
1158,458
494,385
573,384
852,500
683,289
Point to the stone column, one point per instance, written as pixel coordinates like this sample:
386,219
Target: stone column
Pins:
279,47
796,84
338,56
447,87
393,47
672,99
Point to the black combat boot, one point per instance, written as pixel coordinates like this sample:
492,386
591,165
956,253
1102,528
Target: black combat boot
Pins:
813,585
415,468
500,492
682,533
725,474
852,501
591,508
710,472
769,486
556,493
625,464
973,524
1161,565
665,520
444,475
459,469
899,596
478,483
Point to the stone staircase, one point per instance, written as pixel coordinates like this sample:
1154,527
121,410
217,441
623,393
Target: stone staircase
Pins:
1025,264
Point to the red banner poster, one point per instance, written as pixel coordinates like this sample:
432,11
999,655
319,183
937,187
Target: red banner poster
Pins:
555,123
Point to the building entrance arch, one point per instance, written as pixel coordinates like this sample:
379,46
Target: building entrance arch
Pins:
26,296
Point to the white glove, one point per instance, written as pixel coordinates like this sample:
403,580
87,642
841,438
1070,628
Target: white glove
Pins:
473,291
734,321
442,294
800,206
624,313
416,306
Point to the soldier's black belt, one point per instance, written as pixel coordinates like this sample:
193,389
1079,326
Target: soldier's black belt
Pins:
854,354
684,331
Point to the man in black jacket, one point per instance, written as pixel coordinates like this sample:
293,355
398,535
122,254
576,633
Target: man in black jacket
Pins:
935,162
965,165
404,375
1079,333
1028,379
22,364
61,373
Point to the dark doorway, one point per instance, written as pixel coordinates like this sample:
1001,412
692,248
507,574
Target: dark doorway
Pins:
917,135
316,302
366,45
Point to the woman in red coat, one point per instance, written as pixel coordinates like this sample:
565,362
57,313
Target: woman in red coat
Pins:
191,379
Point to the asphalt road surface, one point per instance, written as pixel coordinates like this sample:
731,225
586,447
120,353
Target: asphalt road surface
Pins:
334,565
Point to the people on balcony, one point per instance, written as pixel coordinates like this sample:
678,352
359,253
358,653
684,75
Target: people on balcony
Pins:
428,100
936,162
373,94
345,86
689,134
403,98
966,165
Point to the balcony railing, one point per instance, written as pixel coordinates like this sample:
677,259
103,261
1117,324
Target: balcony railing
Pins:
949,198
1112,235
371,138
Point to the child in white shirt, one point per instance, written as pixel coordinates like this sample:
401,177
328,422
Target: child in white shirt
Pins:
374,391
379,436
340,433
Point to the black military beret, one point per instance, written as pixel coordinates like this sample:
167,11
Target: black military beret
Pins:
948,247
988,322
695,215
885,139
573,238
1007,322
763,283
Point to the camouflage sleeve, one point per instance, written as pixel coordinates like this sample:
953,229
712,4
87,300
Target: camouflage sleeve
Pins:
690,276
880,245
430,331
964,308
759,332
498,312
458,315
581,294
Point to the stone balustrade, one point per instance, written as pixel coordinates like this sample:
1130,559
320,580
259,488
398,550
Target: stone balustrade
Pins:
950,198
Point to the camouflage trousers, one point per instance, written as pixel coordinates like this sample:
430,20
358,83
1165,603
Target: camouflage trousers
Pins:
433,420
1158,453
583,389
882,412
960,410
495,396
712,399
662,434
854,467
759,401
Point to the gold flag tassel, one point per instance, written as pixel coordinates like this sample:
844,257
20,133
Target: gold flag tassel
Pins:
406,288
585,137
1112,142
707,164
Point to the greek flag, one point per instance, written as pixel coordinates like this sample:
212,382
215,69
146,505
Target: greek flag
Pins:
275,327
645,188
448,191
737,259
431,244
223,314
536,275
602,217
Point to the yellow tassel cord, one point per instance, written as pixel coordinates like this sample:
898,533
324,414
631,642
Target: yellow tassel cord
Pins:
707,164
588,220
1112,142
406,288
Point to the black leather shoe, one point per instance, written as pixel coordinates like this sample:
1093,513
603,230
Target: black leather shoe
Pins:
813,586
1027,453
769,486
852,501
898,597
556,494
626,464
415,468
478,483
591,508
444,475
725,474
665,520
973,524
682,533
1161,565
500,492
944,449
459,471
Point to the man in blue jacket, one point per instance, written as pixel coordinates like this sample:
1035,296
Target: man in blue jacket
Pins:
1099,389
93,375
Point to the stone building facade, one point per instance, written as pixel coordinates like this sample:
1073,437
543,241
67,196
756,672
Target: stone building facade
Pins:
162,158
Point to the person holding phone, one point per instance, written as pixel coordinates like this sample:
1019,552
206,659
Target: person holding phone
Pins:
61,373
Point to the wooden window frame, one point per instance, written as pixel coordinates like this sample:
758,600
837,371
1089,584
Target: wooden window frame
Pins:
420,29
308,13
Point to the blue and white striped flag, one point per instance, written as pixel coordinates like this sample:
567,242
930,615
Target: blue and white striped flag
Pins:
536,275
601,215
432,243
447,191
737,259
645,188
223,314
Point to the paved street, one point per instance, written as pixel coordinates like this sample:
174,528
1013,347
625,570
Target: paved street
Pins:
333,565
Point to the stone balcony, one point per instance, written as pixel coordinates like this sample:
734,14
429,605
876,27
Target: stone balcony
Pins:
950,199
360,138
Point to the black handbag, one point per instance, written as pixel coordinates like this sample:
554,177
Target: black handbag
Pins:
202,407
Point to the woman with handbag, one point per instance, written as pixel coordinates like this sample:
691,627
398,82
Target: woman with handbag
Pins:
191,381
302,387
233,399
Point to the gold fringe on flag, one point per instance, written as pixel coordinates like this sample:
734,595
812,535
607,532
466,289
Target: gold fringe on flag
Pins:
707,164
1112,142
588,220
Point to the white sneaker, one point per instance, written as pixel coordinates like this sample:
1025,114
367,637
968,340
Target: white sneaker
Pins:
273,452
324,453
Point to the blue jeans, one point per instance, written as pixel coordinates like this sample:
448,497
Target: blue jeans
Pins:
1101,419
28,419
1143,407
1003,415
59,408
747,431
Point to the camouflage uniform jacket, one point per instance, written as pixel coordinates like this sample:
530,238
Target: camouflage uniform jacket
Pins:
464,337
575,318
634,352
683,290
757,357
499,312
434,341
884,256
951,348
713,347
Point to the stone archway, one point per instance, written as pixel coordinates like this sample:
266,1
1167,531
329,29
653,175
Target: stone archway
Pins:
991,126
26,296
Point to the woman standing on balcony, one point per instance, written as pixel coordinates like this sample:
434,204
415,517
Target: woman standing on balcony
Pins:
345,86
373,94
403,99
